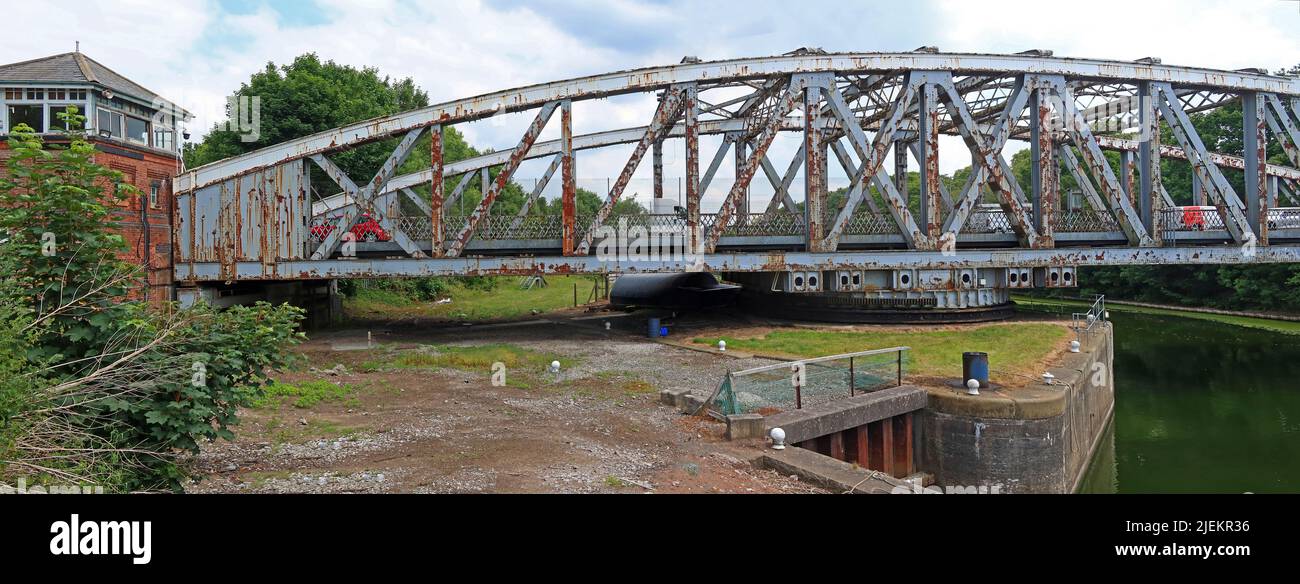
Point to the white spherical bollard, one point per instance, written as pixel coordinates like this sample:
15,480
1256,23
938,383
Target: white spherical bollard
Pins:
1048,378
1074,346
972,387
555,366
722,345
778,438
607,325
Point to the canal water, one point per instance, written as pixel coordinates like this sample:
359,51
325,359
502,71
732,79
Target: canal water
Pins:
1200,407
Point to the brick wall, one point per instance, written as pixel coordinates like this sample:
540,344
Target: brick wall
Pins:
145,224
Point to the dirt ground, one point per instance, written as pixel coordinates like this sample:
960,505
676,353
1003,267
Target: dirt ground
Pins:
595,427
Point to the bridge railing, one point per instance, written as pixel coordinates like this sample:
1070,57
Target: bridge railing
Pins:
785,223
987,221
1191,219
1085,220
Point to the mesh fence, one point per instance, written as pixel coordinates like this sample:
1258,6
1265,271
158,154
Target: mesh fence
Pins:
800,384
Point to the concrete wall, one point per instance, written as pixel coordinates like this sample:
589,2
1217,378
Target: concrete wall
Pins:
1028,440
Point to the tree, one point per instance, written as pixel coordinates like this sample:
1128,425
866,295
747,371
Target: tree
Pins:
309,96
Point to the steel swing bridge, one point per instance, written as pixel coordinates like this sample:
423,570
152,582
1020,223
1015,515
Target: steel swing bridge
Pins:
255,217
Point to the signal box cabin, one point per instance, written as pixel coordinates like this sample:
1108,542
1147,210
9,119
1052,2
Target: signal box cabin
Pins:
134,131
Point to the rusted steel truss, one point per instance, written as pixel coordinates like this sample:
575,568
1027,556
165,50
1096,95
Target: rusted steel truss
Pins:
670,107
882,104
503,178
364,196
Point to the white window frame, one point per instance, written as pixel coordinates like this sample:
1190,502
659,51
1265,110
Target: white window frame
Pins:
121,125
148,130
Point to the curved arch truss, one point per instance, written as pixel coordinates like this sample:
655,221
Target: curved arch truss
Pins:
257,216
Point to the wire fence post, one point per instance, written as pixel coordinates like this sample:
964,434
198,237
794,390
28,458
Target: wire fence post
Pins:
900,367
852,382
798,394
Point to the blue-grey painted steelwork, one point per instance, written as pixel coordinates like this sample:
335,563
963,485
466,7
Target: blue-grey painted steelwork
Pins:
755,262
260,209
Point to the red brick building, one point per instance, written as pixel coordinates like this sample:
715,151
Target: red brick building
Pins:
134,131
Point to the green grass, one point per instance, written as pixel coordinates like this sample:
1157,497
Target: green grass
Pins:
504,301
470,358
1015,348
1059,306
258,479
629,383
523,366
280,432
303,395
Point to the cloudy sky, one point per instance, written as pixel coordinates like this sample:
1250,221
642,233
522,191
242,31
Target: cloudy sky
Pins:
196,51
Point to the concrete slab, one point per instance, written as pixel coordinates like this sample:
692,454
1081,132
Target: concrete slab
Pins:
828,473
745,426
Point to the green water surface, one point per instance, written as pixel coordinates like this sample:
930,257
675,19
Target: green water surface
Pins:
1200,407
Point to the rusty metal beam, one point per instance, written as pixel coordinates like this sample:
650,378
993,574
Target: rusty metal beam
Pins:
1128,173
569,181
1085,184
872,155
1229,205
1044,183
537,191
632,135
1120,206
503,178
856,189
931,208
770,125
814,173
690,111
670,107
994,170
1279,121
781,183
436,188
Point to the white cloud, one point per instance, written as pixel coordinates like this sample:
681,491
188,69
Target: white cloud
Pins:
194,52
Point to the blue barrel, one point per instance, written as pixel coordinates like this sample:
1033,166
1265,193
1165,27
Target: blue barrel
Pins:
653,329
975,365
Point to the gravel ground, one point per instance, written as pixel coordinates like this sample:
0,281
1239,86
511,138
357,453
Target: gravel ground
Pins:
450,431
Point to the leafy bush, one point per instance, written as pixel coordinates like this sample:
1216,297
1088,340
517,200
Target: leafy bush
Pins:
424,289
95,387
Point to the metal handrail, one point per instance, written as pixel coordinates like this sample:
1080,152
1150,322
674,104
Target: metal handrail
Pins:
1096,313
